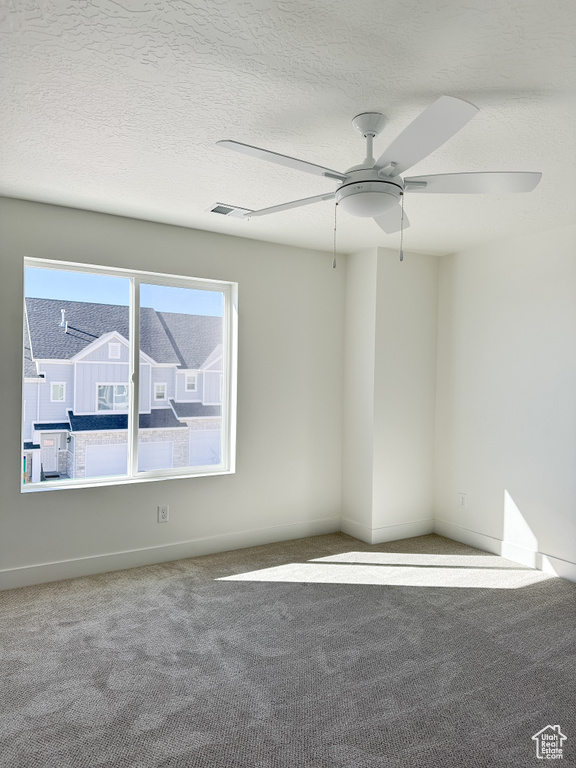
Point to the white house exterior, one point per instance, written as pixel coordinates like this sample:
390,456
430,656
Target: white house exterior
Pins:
76,372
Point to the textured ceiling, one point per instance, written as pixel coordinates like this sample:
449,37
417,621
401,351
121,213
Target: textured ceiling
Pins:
116,107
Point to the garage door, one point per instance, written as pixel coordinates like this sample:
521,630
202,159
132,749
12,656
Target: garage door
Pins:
204,447
105,460
154,456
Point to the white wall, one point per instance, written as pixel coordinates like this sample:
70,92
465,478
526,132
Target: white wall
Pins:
504,395
405,375
359,346
287,482
506,398
390,372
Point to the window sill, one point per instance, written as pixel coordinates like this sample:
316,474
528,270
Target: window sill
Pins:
100,482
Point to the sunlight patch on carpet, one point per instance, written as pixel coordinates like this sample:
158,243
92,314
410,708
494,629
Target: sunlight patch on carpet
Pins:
320,571
402,558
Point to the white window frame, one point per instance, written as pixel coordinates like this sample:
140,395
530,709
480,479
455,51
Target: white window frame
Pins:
165,397
58,384
192,377
114,409
114,350
229,290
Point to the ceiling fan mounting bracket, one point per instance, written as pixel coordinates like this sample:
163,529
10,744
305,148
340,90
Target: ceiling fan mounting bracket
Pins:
369,123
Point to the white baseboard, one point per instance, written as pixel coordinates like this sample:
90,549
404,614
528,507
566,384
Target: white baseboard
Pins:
518,554
402,531
529,557
555,565
117,561
357,530
388,532
466,536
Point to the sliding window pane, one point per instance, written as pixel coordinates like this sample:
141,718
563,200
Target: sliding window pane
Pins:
182,343
76,374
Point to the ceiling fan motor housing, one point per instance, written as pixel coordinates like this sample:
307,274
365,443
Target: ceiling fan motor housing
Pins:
367,197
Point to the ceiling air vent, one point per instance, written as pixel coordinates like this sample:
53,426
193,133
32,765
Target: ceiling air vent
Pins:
229,210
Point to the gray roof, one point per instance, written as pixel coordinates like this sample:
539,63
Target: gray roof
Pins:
193,337
167,337
30,371
86,323
194,410
159,418
54,426
153,338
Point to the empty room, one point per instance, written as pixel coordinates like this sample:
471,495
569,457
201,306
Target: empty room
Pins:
288,332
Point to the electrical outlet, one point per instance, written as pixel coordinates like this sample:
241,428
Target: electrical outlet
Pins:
163,513
462,501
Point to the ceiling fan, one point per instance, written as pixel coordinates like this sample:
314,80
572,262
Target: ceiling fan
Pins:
375,187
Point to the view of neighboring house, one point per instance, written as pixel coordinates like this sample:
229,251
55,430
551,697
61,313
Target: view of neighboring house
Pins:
76,375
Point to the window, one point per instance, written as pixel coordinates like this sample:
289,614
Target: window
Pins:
114,350
57,392
112,397
119,417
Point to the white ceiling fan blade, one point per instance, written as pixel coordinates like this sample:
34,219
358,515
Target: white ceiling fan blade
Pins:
293,204
486,182
391,220
438,123
275,157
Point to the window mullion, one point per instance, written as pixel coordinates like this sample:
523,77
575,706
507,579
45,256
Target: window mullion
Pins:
134,389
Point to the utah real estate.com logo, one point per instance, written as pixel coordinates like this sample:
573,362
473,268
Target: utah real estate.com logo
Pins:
549,743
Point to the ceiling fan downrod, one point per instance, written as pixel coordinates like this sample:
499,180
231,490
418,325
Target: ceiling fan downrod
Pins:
369,124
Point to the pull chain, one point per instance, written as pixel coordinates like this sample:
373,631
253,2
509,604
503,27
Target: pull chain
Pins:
402,230
334,242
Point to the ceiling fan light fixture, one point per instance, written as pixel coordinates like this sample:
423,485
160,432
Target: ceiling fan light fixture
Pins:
367,198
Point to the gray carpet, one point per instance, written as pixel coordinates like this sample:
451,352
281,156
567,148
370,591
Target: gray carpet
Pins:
356,660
